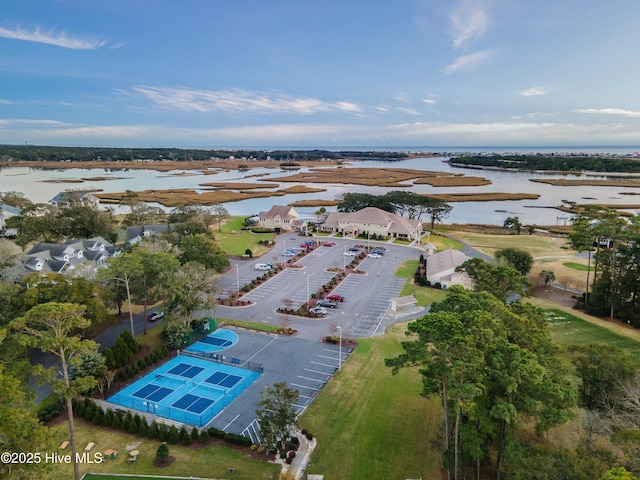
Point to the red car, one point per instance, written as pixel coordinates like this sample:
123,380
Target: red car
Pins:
336,298
329,244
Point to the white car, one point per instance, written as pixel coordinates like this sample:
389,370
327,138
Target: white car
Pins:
263,266
289,253
374,255
318,311
349,254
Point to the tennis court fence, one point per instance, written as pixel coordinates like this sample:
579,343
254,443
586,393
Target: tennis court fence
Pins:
216,357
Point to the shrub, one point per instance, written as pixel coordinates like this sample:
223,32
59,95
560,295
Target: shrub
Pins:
143,429
98,417
204,436
126,421
153,431
163,432
216,433
291,454
174,436
107,419
195,435
116,422
288,460
237,439
309,436
162,454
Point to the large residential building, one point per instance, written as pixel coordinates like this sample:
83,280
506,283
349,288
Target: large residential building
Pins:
372,221
281,217
69,199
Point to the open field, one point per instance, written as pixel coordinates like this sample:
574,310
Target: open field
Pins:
236,243
371,424
536,245
210,461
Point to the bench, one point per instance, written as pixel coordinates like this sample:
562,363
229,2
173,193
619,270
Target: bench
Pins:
64,445
89,446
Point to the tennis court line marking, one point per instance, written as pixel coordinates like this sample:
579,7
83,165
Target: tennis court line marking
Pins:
304,386
229,424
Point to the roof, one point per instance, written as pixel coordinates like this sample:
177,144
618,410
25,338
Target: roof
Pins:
138,230
10,209
444,261
64,197
374,216
282,211
404,301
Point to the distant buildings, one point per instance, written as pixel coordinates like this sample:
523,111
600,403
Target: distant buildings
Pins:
69,199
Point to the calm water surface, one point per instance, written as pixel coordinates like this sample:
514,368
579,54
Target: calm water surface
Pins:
35,183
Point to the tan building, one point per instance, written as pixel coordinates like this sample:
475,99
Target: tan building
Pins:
281,217
441,268
372,221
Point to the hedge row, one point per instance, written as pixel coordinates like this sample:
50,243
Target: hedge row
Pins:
137,425
142,364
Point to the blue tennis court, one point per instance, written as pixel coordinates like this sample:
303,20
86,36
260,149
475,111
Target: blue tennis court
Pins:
215,342
186,389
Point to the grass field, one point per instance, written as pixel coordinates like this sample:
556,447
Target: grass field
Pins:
442,243
424,295
236,243
536,245
371,424
577,266
210,461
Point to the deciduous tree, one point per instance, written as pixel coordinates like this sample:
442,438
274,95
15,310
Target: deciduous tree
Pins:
276,414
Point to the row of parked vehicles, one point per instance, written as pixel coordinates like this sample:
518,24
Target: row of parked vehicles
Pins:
331,301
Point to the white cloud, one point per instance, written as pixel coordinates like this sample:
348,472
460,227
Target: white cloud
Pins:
429,101
59,39
610,111
469,21
466,63
533,91
239,101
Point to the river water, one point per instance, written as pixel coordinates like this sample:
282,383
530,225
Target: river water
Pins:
37,185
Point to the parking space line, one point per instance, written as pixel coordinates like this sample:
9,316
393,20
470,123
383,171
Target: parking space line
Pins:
323,364
317,371
304,386
312,379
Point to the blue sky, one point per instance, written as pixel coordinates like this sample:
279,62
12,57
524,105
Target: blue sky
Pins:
319,73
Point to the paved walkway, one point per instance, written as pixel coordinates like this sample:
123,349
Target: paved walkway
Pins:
303,455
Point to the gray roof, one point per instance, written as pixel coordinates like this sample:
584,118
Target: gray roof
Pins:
10,209
282,211
444,261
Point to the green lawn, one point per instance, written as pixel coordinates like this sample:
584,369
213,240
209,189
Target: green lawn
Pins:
567,329
577,266
236,243
424,295
371,424
210,461
442,243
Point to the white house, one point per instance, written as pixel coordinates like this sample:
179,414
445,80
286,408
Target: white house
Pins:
281,217
69,199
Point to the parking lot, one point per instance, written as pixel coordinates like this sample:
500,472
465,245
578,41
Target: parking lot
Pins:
367,295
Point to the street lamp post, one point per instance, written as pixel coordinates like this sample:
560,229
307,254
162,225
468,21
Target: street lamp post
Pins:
237,279
308,292
340,349
344,258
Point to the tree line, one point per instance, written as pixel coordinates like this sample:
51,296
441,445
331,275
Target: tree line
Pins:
589,163
43,153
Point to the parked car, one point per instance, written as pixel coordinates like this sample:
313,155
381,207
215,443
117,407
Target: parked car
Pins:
336,298
354,249
349,253
329,244
378,251
327,303
152,317
374,255
289,253
263,266
318,311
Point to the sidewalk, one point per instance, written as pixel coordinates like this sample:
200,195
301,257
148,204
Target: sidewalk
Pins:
303,455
